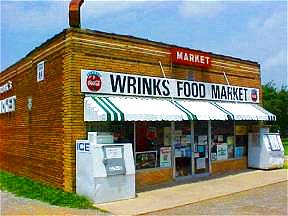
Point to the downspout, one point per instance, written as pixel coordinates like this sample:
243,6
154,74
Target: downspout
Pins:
74,13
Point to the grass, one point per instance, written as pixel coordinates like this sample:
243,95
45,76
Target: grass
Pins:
285,145
24,187
285,164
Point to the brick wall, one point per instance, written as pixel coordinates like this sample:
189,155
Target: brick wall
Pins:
229,165
31,142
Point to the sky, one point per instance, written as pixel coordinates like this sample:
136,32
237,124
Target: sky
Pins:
253,30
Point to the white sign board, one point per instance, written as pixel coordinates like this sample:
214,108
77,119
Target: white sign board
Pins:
8,105
83,146
40,71
6,87
222,151
126,84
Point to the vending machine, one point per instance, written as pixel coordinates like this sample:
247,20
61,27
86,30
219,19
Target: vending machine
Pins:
105,171
265,150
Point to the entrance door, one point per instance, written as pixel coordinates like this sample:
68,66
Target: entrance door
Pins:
182,149
201,148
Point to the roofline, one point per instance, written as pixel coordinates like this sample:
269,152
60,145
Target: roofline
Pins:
162,44
128,38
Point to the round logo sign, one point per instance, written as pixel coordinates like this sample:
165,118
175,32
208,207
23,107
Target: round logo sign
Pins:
254,95
94,82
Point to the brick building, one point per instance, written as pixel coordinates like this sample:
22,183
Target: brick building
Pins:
45,108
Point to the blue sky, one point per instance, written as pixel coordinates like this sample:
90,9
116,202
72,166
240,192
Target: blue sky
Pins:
254,30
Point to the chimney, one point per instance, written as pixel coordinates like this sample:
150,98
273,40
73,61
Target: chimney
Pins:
74,13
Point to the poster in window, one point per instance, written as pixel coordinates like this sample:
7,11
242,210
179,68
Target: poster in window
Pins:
220,138
230,140
239,151
241,130
151,135
165,157
222,152
213,156
147,159
202,140
200,163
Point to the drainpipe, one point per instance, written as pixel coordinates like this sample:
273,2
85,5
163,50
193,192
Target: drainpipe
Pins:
74,13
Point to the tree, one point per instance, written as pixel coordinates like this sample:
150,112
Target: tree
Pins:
276,101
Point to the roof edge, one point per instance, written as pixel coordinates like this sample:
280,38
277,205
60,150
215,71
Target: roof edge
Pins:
124,38
162,44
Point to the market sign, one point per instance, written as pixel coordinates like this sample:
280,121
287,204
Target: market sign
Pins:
190,57
107,83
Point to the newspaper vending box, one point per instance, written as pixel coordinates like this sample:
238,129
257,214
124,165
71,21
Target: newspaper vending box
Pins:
105,170
265,150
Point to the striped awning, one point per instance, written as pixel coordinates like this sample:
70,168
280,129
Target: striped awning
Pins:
131,109
204,110
243,111
100,108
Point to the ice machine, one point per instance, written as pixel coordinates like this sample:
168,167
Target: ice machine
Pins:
265,150
105,171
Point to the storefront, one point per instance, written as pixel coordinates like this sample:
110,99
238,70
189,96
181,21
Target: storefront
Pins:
186,112
177,127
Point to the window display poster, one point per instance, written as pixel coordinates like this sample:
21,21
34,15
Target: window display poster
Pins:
220,138
167,136
147,159
239,151
241,130
230,140
222,151
151,134
183,141
213,156
200,163
165,157
230,149
178,153
202,140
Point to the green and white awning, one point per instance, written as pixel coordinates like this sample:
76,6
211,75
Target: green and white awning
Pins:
244,111
132,109
100,108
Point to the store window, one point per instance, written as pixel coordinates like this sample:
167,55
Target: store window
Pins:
222,146
123,132
153,144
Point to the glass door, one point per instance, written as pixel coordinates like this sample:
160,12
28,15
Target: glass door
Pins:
201,148
182,149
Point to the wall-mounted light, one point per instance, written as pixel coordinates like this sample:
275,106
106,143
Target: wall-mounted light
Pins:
29,103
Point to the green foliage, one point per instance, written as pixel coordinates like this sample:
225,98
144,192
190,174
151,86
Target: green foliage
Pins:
276,101
285,145
25,187
285,165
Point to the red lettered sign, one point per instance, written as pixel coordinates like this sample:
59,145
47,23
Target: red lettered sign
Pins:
190,57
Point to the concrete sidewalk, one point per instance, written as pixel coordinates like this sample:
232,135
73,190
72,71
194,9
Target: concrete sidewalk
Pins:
180,195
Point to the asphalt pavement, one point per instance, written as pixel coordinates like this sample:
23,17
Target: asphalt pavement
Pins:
179,199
